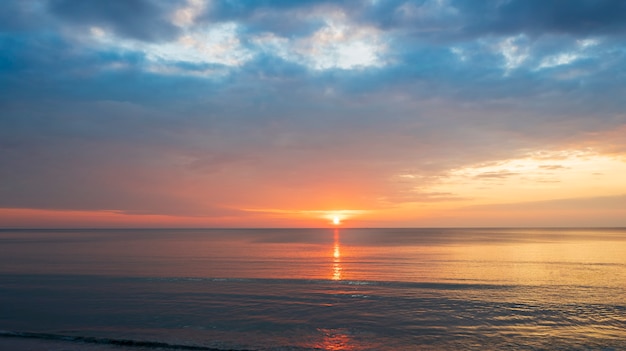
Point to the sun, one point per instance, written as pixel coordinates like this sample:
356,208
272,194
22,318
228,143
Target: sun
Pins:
336,220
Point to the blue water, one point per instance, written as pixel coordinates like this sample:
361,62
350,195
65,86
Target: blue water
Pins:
317,289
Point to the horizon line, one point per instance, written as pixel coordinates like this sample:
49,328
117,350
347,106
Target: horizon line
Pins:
334,227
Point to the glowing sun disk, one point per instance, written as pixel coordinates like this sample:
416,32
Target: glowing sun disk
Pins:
336,220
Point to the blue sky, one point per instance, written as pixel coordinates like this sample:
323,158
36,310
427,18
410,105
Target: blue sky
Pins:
266,112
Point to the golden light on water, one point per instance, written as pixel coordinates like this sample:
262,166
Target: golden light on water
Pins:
336,257
335,340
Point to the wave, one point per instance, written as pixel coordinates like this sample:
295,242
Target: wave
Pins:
443,285
107,341
392,284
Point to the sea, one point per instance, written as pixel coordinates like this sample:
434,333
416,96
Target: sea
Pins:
313,289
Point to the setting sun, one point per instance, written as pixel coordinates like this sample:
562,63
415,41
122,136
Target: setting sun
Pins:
336,220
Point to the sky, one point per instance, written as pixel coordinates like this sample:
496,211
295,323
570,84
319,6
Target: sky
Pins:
279,113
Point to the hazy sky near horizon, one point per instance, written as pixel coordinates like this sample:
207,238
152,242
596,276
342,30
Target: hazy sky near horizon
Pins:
287,113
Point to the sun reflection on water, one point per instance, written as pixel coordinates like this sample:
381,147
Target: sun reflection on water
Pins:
336,257
335,340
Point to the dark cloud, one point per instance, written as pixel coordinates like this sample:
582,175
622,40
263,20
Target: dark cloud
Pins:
576,17
288,18
423,20
459,20
138,19
245,10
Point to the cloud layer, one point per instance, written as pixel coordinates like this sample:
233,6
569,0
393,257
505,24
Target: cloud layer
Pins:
221,109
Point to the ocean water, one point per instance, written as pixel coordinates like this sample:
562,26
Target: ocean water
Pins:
313,289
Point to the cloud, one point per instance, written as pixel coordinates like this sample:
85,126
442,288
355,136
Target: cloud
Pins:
194,51
536,17
144,20
495,175
336,45
552,167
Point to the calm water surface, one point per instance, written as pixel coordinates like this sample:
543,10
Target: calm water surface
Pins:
313,289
